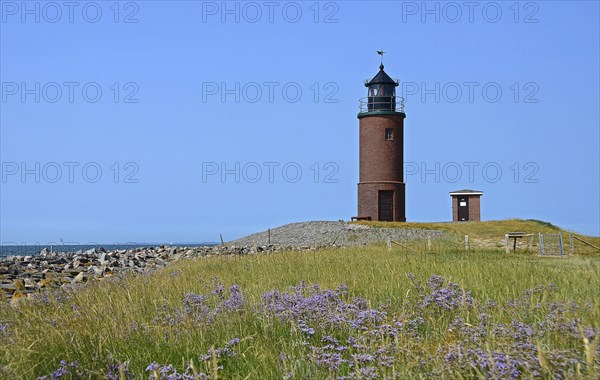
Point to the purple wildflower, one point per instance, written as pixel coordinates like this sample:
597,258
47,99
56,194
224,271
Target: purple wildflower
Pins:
64,370
330,360
152,367
114,372
435,282
449,298
363,358
305,328
366,373
221,353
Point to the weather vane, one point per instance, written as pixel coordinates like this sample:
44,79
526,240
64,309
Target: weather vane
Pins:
381,53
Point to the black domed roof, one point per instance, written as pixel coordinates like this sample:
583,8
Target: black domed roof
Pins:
381,78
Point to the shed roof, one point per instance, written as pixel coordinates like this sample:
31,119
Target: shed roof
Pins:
466,192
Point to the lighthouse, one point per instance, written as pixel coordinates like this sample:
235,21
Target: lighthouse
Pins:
381,187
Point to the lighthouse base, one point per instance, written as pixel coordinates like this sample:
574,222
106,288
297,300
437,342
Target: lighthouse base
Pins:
382,201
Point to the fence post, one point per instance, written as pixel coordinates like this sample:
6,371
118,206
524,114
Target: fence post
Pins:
466,242
506,243
562,251
389,244
541,243
571,245
429,242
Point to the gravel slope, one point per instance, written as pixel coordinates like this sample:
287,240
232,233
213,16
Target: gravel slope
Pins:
321,233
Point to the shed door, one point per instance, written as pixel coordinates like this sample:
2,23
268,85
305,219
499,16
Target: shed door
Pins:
463,208
386,205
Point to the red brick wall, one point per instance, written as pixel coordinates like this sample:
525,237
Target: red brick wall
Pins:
474,208
368,199
381,160
381,164
454,209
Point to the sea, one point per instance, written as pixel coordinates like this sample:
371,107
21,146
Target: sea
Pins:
35,249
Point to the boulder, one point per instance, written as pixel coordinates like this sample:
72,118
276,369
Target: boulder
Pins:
10,287
29,284
79,278
95,270
19,284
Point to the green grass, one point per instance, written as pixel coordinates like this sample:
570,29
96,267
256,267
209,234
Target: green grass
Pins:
118,321
494,230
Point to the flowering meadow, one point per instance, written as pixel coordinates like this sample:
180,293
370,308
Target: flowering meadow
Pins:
351,313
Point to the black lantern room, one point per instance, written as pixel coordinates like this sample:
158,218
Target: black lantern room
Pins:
381,92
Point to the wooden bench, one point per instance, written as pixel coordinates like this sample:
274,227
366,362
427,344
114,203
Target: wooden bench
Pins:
515,236
359,218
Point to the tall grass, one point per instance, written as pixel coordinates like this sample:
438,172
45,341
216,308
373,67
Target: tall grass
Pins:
142,319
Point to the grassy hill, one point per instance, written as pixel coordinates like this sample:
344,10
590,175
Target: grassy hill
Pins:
354,313
490,234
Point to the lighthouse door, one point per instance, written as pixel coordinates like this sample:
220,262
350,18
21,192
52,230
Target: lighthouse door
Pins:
463,209
386,205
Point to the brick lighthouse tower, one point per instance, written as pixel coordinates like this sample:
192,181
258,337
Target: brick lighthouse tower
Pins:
381,188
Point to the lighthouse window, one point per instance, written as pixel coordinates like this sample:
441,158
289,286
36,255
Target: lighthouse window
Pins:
389,134
375,90
387,90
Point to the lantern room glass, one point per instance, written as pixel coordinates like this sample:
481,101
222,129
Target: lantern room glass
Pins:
382,97
379,89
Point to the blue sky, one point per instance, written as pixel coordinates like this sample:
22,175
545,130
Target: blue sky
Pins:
156,121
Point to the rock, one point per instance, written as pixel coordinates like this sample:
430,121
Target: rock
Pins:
60,260
44,252
46,282
96,270
79,278
29,284
177,256
19,284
